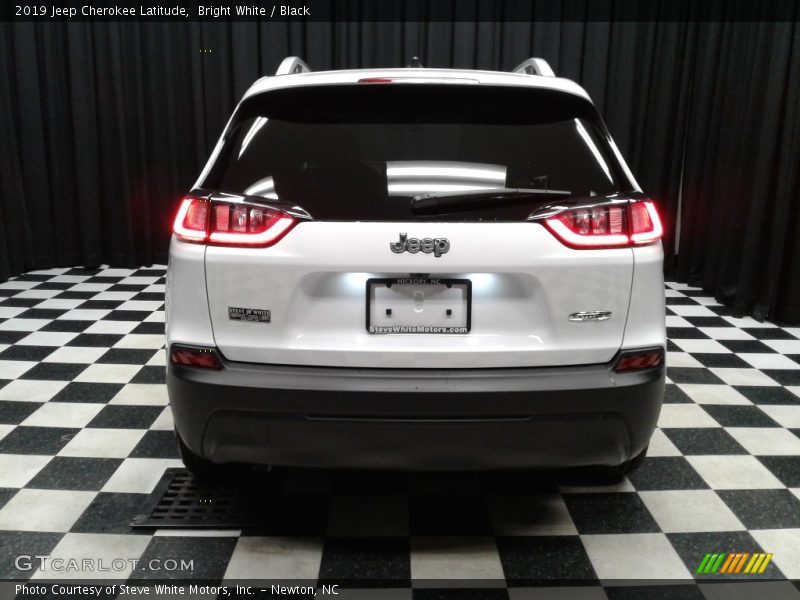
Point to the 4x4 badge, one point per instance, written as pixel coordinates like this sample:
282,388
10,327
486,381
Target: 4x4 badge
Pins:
591,315
437,246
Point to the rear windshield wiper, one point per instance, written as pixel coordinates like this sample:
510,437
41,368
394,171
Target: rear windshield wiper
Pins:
434,204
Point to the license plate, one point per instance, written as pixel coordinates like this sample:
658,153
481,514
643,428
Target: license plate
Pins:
411,305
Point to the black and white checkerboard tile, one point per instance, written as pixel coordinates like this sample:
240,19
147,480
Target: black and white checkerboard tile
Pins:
85,434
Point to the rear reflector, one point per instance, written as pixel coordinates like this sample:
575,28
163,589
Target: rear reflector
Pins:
201,358
614,225
230,223
635,361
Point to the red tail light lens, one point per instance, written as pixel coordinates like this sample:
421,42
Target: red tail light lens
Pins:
201,358
230,223
192,220
607,226
646,225
635,361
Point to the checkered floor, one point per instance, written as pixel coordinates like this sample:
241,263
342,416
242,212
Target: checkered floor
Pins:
85,434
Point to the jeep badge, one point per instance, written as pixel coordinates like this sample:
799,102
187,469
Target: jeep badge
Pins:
437,246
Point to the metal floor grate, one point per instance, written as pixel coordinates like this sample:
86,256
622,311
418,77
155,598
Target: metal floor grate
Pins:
180,501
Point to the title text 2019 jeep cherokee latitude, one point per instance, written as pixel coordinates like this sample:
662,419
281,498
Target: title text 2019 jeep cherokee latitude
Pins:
415,268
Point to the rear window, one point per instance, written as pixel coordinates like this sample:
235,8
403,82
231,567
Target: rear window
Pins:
363,152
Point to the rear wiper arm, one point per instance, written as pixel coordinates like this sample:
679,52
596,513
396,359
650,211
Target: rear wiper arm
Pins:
434,204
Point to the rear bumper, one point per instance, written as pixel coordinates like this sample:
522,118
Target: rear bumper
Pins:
415,418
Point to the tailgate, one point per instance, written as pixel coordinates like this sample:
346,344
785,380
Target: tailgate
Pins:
307,300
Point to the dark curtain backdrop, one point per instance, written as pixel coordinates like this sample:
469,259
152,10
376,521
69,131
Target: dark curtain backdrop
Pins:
104,125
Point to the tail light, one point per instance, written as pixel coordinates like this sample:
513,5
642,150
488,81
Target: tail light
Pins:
640,359
201,358
607,225
220,223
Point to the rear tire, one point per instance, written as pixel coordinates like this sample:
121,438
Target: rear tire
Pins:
635,462
203,469
613,475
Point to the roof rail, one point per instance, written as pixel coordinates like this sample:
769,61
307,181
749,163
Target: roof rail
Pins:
534,66
291,65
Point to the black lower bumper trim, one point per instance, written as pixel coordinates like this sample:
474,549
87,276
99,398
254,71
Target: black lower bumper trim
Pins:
420,418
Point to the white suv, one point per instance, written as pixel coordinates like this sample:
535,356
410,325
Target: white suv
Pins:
415,268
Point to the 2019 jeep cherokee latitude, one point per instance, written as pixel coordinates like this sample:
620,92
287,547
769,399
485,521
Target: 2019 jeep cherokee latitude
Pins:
415,268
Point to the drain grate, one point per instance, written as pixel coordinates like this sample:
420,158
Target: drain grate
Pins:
180,501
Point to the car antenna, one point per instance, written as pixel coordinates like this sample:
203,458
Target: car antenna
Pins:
415,63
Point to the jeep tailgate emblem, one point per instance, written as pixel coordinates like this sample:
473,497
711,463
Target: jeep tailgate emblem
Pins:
437,246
